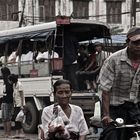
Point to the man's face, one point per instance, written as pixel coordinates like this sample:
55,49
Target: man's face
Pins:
98,48
134,47
63,94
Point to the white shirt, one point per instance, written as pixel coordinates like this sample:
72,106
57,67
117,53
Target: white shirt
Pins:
45,55
18,94
26,58
2,59
76,120
12,56
101,57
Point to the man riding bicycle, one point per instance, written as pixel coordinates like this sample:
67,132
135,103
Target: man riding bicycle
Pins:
119,81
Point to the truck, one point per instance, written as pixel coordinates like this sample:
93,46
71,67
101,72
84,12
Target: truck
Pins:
38,77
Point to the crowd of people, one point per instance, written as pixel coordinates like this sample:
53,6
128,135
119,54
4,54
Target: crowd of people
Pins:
27,54
119,83
90,61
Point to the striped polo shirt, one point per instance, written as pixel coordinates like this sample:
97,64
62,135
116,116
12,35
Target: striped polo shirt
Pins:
119,77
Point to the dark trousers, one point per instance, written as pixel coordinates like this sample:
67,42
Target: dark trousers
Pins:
18,125
70,74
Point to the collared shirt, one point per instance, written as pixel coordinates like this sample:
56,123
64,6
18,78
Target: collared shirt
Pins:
26,58
76,121
120,78
101,57
12,56
45,55
18,95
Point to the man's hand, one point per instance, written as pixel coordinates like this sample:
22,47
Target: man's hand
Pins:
55,129
58,132
106,120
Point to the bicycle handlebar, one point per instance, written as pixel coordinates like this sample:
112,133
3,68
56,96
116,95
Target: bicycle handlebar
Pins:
129,126
120,124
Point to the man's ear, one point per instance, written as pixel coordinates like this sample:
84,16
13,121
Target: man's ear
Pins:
127,40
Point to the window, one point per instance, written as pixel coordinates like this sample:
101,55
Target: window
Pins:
9,10
137,4
42,13
81,8
113,11
46,10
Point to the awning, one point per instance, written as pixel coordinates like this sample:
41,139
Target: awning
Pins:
32,35
118,38
29,32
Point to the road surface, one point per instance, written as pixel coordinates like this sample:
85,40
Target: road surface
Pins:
27,136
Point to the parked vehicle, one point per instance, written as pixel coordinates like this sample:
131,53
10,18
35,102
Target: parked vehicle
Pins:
38,77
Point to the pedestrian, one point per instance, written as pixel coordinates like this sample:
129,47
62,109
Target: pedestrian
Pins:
62,120
88,74
70,66
101,55
19,104
7,102
119,81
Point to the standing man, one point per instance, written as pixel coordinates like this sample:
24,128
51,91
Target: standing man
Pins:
19,103
70,58
119,81
101,55
7,102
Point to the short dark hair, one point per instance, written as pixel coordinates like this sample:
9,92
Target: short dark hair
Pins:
13,78
98,44
133,34
60,82
5,71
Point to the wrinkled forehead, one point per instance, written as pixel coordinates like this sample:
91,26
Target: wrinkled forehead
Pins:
63,87
98,47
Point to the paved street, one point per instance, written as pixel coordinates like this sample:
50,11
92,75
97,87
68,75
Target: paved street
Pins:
35,136
28,136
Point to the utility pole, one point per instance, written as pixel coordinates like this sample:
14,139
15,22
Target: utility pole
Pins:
133,14
22,13
33,14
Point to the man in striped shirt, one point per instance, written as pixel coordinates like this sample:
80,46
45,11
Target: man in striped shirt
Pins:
119,81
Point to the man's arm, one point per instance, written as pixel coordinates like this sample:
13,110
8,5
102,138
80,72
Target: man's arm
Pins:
22,98
82,137
105,107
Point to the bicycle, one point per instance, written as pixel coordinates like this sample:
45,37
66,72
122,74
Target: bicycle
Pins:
95,123
136,128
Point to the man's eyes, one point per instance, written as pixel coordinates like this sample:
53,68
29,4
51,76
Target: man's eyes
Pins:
61,92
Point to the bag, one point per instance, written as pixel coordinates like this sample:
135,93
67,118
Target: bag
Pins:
20,116
58,122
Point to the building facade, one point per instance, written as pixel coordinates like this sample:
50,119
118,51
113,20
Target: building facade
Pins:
116,13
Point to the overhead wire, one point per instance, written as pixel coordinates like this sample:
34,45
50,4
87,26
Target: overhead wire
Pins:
101,16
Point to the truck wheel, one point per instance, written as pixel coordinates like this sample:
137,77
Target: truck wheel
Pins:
31,122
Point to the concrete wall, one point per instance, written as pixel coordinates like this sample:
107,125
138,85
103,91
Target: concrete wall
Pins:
8,25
